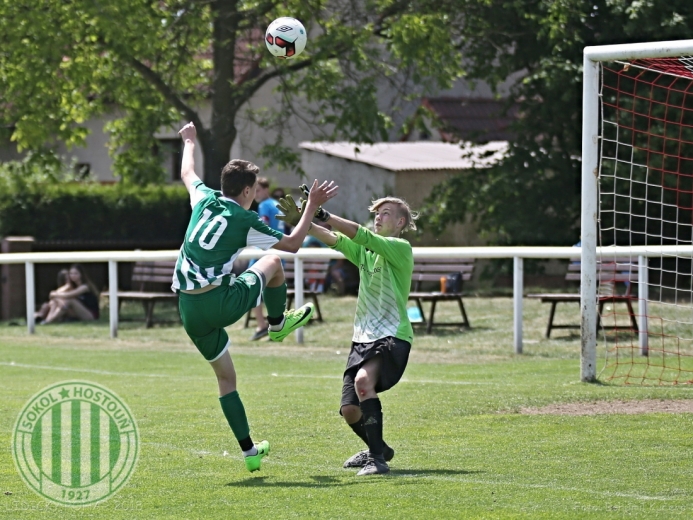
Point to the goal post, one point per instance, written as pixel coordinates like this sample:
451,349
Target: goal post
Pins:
641,163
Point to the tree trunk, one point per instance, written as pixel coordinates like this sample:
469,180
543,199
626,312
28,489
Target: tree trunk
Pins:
214,161
222,130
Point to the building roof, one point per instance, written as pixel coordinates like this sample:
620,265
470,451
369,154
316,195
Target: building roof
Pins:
472,119
421,155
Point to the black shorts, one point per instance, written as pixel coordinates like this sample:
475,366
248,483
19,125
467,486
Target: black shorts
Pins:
394,357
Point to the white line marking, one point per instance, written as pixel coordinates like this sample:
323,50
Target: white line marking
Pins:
93,371
275,374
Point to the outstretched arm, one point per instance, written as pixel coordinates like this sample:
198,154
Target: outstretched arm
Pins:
187,170
344,226
325,236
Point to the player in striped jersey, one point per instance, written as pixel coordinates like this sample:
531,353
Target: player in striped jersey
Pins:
382,330
211,297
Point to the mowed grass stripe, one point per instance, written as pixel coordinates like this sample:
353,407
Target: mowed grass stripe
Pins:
274,374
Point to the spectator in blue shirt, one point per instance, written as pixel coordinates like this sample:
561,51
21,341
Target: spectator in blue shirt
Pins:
267,211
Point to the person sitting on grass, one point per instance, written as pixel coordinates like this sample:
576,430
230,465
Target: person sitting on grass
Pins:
382,332
211,297
62,286
77,300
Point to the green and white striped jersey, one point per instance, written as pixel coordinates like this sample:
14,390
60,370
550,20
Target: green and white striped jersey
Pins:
385,267
218,231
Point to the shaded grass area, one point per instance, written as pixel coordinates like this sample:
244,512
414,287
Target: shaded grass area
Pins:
463,450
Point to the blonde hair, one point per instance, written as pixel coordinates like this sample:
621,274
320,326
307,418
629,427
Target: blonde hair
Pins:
403,209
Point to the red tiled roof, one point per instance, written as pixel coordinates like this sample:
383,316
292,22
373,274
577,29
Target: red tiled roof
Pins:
472,119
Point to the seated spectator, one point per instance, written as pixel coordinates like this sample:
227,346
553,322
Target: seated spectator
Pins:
62,286
77,300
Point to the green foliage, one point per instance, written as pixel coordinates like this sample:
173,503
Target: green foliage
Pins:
533,197
154,62
40,199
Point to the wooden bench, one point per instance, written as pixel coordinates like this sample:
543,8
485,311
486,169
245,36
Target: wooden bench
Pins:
149,281
609,273
314,275
429,273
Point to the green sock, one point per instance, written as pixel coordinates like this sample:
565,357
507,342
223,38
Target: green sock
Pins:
275,300
234,412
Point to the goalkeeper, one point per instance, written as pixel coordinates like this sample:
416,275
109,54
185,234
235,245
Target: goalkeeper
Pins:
382,332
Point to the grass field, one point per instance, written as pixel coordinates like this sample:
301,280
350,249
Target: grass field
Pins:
465,446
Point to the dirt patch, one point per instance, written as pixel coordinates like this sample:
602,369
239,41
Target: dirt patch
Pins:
608,407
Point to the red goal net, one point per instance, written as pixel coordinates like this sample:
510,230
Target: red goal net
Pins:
646,199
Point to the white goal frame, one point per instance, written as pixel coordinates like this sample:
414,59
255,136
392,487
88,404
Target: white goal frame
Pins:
590,183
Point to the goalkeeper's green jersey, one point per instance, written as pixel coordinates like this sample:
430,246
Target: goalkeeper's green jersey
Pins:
218,231
385,268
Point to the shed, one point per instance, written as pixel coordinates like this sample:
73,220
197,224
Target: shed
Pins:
408,170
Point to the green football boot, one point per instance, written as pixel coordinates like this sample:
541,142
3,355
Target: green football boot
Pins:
253,462
293,319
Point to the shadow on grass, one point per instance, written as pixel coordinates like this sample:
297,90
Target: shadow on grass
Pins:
321,481
444,331
430,472
611,336
567,337
318,481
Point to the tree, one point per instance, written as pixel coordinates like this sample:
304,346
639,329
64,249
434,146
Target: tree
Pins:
533,196
154,62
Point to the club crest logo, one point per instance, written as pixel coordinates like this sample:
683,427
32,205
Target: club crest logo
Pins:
75,443
250,278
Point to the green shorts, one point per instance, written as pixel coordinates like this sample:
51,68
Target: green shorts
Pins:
205,315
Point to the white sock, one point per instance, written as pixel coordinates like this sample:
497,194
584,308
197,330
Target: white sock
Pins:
251,452
278,327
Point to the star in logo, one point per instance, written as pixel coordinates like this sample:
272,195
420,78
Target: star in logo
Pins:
64,393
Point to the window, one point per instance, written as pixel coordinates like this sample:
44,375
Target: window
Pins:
171,152
82,170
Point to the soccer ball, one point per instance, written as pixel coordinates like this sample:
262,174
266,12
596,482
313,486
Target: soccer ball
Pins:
286,37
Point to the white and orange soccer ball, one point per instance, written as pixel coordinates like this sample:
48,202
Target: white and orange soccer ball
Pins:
286,37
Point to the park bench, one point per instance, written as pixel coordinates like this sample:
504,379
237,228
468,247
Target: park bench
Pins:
428,273
314,275
149,283
609,273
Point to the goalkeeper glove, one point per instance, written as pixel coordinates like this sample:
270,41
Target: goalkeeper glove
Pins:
321,214
291,213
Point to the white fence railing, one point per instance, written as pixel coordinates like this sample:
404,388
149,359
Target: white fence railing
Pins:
517,253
